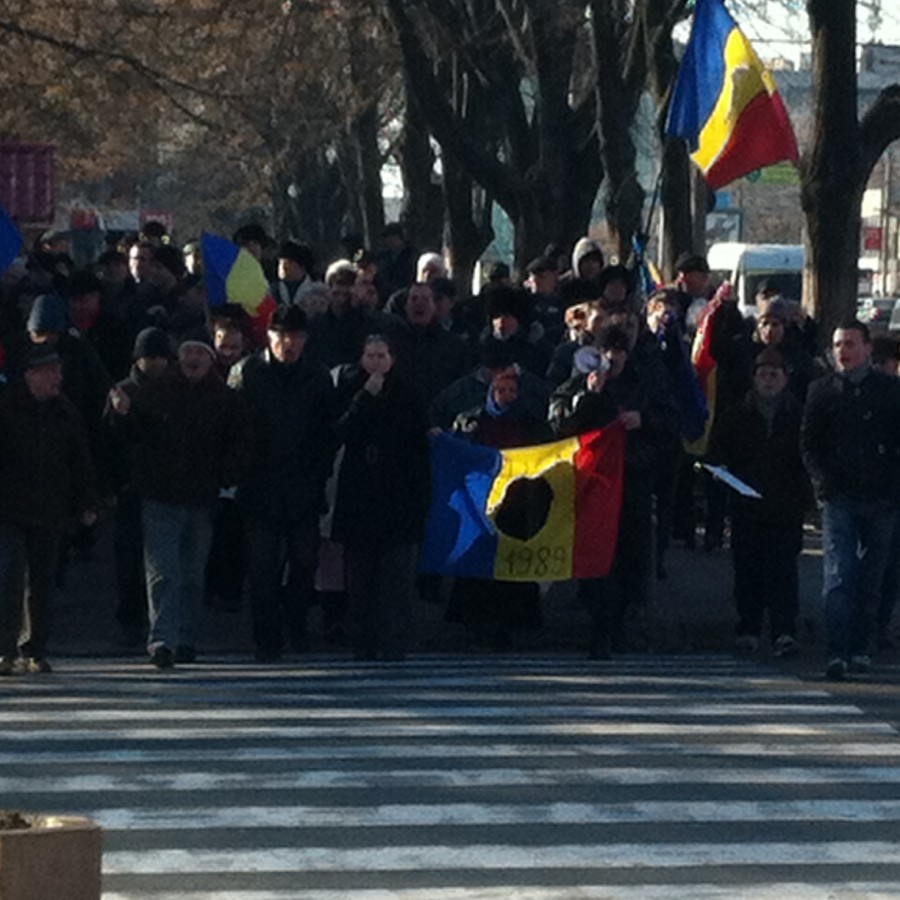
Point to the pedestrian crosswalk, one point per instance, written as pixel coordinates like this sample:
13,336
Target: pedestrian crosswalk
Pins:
447,778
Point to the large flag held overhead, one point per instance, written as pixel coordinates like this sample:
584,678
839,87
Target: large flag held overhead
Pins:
543,513
726,104
234,275
10,241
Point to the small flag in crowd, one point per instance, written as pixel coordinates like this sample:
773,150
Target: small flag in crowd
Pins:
726,103
10,241
705,365
234,275
543,513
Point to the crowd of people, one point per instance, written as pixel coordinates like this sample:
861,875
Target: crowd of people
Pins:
287,466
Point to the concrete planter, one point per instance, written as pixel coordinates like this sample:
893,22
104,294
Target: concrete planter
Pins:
49,858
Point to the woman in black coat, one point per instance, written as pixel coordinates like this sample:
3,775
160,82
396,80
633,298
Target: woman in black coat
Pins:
383,494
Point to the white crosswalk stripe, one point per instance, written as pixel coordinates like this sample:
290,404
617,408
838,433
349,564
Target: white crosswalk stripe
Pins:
449,778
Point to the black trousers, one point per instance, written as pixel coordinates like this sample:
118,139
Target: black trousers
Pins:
765,574
278,608
128,549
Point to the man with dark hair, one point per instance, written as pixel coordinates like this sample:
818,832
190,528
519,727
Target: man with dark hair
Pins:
46,480
396,261
692,280
282,494
851,448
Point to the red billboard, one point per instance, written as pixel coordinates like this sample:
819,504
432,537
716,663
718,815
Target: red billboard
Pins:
28,182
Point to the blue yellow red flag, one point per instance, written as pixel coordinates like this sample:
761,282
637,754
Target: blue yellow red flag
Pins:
726,104
10,240
234,275
544,513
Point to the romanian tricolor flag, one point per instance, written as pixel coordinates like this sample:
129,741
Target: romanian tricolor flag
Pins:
543,513
726,104
234,275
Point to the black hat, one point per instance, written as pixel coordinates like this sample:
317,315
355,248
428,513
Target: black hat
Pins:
198,337
289,318
503,299
252,232
609,274
498,271
542,264
299,253
151,342
41,355
691,262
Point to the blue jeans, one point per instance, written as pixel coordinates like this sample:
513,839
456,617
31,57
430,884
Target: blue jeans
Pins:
176,546
857,538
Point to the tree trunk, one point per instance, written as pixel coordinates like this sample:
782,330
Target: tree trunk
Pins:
370,192
843,153
468,229
423,202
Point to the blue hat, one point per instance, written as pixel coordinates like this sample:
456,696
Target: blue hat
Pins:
48,314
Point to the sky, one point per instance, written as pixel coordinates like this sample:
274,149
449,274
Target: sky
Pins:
781,27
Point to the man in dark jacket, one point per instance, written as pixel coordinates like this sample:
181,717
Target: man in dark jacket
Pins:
759,442
851,448
152,357
46,480
191,442
282,493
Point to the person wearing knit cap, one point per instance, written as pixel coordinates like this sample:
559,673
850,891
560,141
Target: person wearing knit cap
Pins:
190,437
152,357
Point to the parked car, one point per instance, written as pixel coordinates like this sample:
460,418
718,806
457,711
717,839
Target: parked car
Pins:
876,312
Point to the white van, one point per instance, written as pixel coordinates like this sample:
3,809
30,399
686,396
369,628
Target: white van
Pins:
746,265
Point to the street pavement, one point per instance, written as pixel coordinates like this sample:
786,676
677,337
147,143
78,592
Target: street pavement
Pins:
519,777
679,770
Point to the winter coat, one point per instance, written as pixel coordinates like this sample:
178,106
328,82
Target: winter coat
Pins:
384,485
851,437
191,439
767,457
46,474
291,410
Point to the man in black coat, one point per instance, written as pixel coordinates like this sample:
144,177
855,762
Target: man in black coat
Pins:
191,438
851,448
46,480
282,493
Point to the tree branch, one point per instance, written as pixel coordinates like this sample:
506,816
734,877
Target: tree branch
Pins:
879,128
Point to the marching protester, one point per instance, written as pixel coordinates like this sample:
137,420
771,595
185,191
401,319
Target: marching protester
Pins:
382,500
46,484
290,399
851,448
191,441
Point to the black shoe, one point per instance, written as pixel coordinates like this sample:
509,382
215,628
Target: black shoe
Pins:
8,666
836,670
601,646
163,658
185,654
36,665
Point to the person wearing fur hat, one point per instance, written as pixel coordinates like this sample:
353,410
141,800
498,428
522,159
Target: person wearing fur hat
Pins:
290,398
295,272
509,313
775,329
190,436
